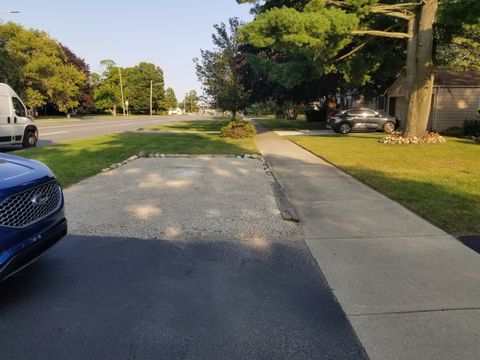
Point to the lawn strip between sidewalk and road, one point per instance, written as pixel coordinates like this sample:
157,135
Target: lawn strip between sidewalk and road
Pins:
191,126
76,160
438,182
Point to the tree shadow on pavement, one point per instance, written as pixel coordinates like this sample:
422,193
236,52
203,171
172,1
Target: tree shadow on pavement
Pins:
118,298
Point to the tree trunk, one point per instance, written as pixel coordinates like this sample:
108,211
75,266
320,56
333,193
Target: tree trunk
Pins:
234,115
291,113
410,126
420,71
114,110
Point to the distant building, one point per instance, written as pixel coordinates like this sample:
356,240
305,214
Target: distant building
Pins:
456,98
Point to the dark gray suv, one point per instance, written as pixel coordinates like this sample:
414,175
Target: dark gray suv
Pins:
344,121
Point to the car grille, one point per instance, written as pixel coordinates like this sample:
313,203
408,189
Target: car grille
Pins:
25,208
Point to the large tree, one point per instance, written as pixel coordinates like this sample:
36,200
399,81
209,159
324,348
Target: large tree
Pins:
41,72
458,35
325,29
137,84
169,101
86,101
107,91
190,102
218,70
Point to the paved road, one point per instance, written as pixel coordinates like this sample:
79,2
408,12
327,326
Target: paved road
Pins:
63,130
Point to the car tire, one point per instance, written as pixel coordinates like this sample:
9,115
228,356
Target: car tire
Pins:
344,128
389,127
30,139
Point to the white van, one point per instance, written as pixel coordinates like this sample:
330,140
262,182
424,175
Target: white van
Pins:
16,124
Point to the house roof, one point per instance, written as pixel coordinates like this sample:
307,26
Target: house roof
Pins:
457,78
443,78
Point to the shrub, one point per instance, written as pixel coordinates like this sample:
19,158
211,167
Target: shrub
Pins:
238,130
471,128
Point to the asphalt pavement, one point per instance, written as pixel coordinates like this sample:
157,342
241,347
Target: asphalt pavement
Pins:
175,259
56,131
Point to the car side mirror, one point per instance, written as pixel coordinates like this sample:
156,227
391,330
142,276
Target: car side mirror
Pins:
30,114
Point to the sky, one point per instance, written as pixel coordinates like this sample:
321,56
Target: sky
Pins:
168,33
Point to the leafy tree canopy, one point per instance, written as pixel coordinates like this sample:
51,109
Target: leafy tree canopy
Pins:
169,101
39,68
218,70
137,82
190,102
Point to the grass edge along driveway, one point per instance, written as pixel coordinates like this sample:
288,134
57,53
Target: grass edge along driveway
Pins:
76,160
438,182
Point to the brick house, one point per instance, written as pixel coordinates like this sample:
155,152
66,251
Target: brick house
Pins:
456,98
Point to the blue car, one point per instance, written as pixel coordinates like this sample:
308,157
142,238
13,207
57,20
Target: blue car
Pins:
32,216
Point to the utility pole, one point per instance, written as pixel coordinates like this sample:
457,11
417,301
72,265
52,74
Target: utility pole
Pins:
151,97
121,90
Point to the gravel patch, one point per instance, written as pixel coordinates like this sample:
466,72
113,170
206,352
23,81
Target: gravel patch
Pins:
181,198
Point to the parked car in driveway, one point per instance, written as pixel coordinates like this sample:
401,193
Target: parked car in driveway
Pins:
16,125
32,216
344,121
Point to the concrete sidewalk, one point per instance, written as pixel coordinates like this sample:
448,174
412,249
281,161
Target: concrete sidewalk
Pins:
410,290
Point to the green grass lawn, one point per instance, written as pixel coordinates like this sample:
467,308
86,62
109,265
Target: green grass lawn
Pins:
197,125
439,182
282,124
77,160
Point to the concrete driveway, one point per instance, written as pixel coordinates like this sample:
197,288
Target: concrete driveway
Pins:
175,259
180,198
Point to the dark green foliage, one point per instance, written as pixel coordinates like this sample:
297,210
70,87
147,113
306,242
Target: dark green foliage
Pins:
169,102
238,130
136,82
38,68
218,70
314,115
190,103
471,127
303,51
85,99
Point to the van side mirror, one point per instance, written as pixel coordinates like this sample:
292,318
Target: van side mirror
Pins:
30,114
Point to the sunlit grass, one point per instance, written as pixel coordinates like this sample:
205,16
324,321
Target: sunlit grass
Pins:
439,182
194,126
